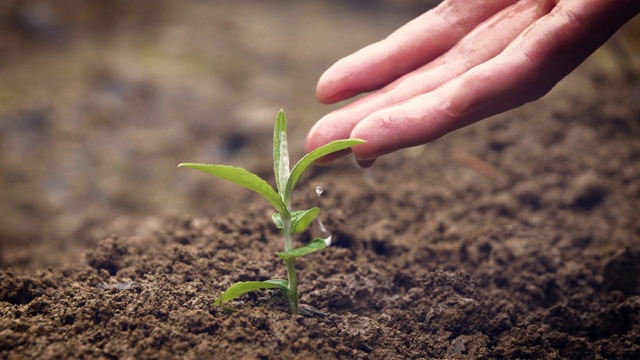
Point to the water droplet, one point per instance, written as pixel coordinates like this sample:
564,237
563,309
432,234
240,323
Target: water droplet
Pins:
319,191
319,231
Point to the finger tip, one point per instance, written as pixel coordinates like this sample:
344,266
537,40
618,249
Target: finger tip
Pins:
333,126
329,159
366,150
315,138
326,87
322,94
365,164
334,86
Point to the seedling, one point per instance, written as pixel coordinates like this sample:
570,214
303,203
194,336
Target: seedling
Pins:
286,219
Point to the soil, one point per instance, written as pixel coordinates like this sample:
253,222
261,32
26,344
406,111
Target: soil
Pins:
517,237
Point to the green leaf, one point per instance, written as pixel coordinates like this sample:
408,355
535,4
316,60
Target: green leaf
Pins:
280,153
300,219
241,288
277,219
313,246
243,178
316,154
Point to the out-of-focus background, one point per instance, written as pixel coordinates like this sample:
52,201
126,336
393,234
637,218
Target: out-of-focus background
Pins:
100,100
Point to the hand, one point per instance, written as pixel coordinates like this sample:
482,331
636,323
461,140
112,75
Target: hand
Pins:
460,62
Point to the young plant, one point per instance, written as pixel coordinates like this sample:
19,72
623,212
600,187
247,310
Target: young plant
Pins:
286,219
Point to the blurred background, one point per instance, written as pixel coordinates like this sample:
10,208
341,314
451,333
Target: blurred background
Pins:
100,100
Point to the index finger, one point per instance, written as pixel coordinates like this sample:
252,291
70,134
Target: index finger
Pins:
405,50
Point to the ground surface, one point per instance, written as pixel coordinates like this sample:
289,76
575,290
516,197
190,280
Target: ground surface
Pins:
515,238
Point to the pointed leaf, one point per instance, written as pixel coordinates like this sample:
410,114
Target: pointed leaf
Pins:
313,246
243,178
316,154
300,220
241,288
280,152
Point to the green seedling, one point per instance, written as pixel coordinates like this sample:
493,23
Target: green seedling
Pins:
287,220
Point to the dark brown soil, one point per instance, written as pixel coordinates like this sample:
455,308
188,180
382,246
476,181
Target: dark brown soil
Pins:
518,237
515,238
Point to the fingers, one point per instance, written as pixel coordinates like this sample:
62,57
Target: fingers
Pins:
526,70
417,43
484,42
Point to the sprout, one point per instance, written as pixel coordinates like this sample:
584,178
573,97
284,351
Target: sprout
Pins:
286,219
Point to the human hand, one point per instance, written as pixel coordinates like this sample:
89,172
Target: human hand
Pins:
458,63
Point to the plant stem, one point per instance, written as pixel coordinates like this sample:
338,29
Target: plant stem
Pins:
292,287
286,230
292,291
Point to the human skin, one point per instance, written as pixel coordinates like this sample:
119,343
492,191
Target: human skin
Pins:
459,63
